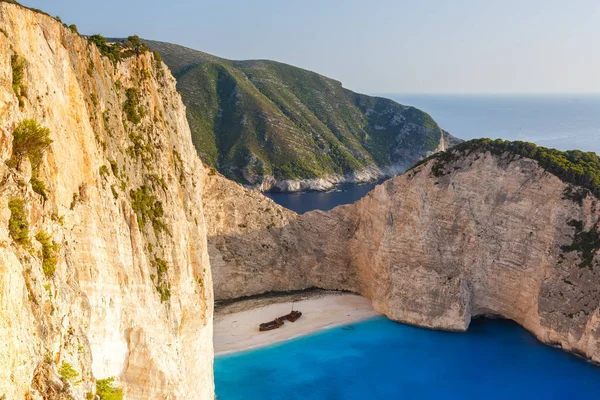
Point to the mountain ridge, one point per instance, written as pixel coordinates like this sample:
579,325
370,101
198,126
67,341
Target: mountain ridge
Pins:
276,126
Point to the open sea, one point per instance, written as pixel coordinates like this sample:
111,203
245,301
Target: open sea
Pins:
381,359
561,121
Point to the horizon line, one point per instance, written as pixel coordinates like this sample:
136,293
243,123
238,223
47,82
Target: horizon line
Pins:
483,93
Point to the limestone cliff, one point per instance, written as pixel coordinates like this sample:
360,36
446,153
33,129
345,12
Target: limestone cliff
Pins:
482,235
104,269
232,212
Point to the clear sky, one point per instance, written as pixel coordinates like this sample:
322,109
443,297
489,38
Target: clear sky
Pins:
376,46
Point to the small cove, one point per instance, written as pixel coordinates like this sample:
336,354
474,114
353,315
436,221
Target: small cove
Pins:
382,359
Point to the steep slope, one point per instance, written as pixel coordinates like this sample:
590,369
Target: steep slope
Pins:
478,231
104,271
284,128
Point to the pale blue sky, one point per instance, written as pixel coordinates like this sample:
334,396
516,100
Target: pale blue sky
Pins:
377,46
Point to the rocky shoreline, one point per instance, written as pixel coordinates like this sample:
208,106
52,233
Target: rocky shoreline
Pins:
370,174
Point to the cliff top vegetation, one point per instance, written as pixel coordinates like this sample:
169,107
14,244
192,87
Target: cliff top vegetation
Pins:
575,167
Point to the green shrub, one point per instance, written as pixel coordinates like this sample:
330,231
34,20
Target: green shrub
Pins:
164,290
112,51
99,41
161,265
136,45
343,158
39,187
94,98
104,171
131,107
157,181
29,140
73,28
114,167
147,208
67,371
18,69
118,51
161,280
140,147
107,390
49,253
18,226
157,58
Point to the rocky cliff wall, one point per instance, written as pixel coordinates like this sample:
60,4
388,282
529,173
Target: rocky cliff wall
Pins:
235,213
485,235
131,294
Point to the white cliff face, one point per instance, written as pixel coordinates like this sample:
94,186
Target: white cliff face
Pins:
132,294
486,236
236,211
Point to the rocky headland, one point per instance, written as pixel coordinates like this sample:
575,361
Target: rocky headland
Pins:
477,231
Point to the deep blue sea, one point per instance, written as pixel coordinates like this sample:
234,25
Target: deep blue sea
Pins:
308,201
381,359
561,121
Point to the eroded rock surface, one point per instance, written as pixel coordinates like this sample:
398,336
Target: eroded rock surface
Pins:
131,297
486,235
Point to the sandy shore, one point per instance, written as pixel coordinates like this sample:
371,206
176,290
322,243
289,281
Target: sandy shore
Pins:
236,325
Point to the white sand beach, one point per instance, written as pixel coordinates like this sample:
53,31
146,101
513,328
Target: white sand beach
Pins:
236,325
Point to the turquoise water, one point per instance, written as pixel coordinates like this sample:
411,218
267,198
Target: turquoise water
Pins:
381,359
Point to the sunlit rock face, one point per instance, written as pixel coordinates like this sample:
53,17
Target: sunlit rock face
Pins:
131,297
489,235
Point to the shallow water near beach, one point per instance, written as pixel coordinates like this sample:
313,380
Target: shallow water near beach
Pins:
382,359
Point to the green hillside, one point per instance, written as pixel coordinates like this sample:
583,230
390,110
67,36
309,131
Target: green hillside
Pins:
255,118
